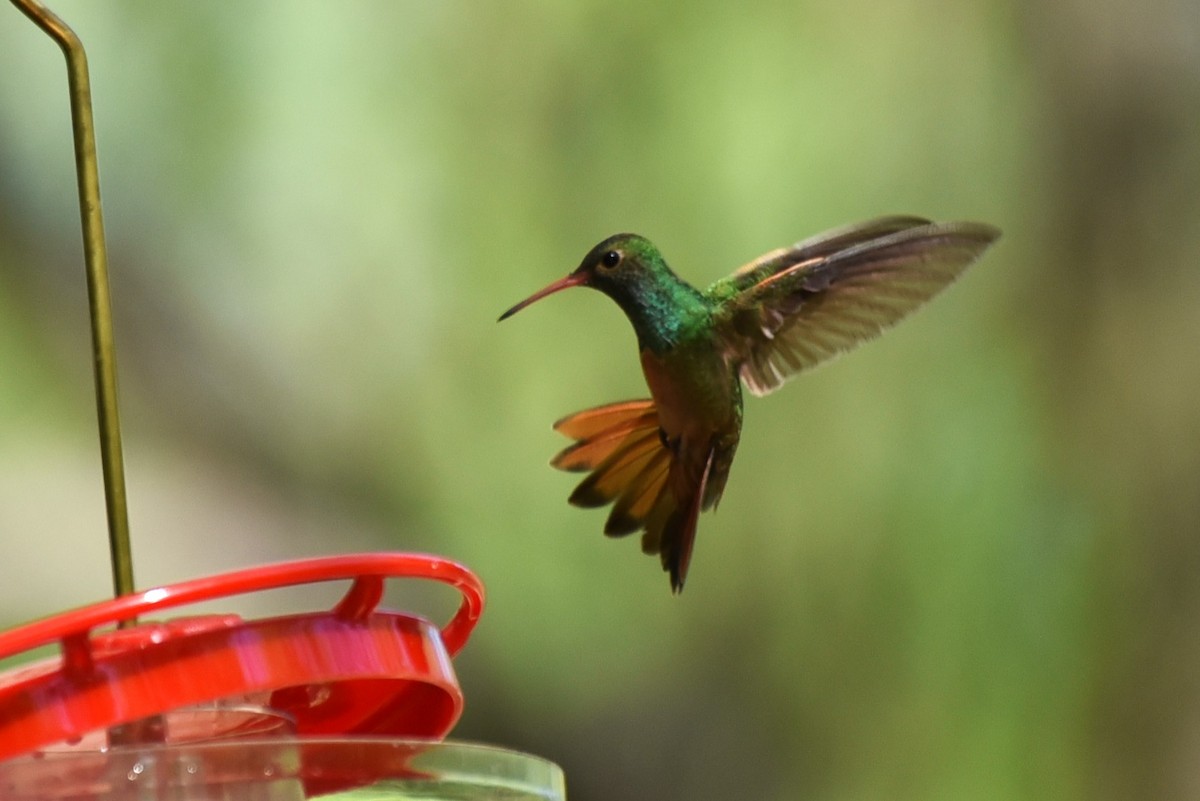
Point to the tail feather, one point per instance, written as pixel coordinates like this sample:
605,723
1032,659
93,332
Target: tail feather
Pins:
612,476
671,526
634,504
601,431
678,541
652,487
589,454
583,425
586,454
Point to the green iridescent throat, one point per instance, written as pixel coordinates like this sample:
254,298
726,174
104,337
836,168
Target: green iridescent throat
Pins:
663,308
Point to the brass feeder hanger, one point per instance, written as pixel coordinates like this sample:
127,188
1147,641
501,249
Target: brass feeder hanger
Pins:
99,303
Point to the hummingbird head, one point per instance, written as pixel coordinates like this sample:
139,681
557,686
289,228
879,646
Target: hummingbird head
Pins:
620,267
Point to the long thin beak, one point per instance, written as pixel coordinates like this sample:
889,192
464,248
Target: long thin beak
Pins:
574,279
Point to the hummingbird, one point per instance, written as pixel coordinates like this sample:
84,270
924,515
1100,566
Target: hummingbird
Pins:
663,460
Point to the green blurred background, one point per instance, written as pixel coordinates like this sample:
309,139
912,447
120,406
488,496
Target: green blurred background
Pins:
960,563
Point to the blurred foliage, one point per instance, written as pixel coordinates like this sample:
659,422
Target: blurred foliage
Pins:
961,563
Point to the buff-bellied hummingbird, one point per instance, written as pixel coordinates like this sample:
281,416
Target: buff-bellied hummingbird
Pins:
662,461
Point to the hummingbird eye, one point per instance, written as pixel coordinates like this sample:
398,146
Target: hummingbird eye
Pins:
610,259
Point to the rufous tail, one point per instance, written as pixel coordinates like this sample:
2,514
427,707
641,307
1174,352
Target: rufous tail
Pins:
630,465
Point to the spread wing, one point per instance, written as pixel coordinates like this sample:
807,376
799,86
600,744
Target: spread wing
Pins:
796,307
824,244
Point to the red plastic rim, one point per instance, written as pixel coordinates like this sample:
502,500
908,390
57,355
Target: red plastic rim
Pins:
354,669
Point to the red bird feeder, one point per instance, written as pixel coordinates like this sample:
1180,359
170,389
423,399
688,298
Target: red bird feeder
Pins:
348,702
215,706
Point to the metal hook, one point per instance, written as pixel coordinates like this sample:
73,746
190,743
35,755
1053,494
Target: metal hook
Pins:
99,302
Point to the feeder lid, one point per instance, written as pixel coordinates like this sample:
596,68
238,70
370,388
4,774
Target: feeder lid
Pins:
352,670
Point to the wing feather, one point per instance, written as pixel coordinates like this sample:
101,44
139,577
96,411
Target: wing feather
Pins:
820,246
797,307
